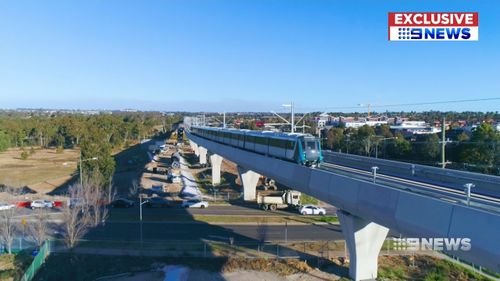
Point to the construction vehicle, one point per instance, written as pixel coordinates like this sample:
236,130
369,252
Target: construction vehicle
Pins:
278,200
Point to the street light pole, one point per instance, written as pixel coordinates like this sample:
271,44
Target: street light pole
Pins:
140,213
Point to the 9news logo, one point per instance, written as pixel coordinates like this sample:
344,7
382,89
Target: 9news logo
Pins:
415,26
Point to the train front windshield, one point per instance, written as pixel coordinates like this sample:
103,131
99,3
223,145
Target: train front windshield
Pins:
310,144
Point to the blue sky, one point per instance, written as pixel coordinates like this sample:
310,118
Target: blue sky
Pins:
238,55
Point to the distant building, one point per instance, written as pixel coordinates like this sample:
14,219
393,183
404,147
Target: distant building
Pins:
323,120
415,128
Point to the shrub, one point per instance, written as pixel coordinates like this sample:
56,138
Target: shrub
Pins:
24,155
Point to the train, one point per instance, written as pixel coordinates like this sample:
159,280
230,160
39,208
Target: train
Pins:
180,134
303,149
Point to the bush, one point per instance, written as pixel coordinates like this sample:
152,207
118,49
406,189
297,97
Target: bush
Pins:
60,149
24,155
32,151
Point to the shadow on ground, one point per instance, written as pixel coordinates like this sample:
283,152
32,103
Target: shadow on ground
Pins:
126,244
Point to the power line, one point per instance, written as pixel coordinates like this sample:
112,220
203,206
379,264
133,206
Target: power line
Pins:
407,104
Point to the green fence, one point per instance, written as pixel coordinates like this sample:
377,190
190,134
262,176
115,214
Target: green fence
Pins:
37,262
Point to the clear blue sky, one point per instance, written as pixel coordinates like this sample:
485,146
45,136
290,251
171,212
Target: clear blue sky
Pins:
238,55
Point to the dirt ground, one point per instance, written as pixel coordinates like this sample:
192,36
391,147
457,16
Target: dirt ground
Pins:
41,171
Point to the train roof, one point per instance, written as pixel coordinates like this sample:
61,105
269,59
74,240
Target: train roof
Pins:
258,133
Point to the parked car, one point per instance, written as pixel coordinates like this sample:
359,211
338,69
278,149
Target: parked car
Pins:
5,206
24,204
158,202
41,204
122,203
194,203
176,179
58,204
312,210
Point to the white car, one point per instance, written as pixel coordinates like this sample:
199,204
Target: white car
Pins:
5,206
194,203
41,204
176,179
312,210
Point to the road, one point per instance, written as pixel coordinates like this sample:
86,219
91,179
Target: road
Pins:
130,231
247,209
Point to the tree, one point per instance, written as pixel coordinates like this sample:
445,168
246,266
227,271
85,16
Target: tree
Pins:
364,140
384,130
427,147
76,217
8,226
483,149
4,141
95,145
38,229
335,138
400,148
94,196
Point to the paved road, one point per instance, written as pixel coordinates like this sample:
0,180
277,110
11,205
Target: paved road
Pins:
195,232
246,209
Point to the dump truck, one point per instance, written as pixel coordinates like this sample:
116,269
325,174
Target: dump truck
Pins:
278,200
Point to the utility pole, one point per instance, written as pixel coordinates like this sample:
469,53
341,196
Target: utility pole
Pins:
443,144
293,118
224,123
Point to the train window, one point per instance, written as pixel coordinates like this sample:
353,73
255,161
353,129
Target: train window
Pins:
311,145
260,140
290,144
277,143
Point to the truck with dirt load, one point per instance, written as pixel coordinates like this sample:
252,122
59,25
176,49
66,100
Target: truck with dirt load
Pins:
278,199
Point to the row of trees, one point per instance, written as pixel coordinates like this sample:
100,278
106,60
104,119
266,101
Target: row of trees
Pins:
67,130
479,151
96,135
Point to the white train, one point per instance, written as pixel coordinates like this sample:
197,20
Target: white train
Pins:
303,149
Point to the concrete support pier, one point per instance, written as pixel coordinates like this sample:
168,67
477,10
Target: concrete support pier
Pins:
216,161
203,155
249,180
364,240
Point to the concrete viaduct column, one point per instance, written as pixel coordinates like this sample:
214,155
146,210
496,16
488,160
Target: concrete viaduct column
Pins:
249,180
203,155
216,161
364,240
